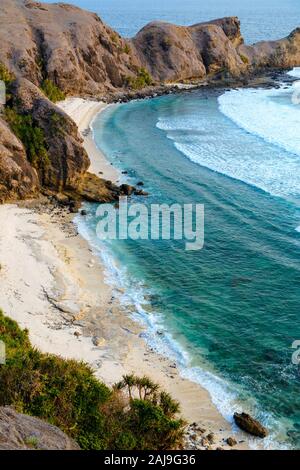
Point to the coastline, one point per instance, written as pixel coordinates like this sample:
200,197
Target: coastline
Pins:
70,310
83,112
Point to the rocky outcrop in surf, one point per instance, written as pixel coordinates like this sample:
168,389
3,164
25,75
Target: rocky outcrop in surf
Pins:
48,51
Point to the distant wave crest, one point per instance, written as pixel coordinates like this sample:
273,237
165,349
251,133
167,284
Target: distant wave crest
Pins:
266,155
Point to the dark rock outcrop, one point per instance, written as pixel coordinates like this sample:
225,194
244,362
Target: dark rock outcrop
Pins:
250,425
22,432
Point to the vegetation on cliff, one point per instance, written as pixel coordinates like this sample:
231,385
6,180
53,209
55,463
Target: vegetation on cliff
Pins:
31,135
52,91
142,80
66,394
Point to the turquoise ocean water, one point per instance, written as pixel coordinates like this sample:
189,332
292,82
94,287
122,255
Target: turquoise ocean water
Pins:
230,312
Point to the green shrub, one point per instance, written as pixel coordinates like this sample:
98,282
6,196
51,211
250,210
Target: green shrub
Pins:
52,91
32,137
244,59
127,49
5,75
67,394
142,79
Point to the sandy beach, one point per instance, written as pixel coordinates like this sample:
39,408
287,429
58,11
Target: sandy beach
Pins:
53,284
83,113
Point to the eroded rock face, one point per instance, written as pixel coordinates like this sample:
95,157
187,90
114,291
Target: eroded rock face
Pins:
174,53
82,56
284,53
68,159
18,179
250,425
22,432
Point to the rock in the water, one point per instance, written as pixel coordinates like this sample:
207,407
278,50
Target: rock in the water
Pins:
231,441
250,425
22,432
127,190
140,192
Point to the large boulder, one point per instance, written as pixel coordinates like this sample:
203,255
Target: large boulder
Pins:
250,425
22,432
174,53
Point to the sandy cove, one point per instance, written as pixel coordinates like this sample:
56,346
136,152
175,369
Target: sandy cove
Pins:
83,112
53,284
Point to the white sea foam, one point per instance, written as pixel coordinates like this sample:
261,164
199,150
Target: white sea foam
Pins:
295,72
134,294
258,112
267,116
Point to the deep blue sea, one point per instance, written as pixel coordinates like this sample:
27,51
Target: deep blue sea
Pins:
261,19
229,313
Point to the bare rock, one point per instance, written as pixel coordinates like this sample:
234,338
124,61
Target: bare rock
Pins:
70,46
98,342
231,441
95,189
174,53
250,425
68,161
127,189
18,179
211,438
22,432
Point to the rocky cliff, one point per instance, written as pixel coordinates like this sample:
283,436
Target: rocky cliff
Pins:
69,50
17,177
22,432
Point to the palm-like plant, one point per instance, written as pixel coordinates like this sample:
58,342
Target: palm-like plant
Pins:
169,406
129,382
148,387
